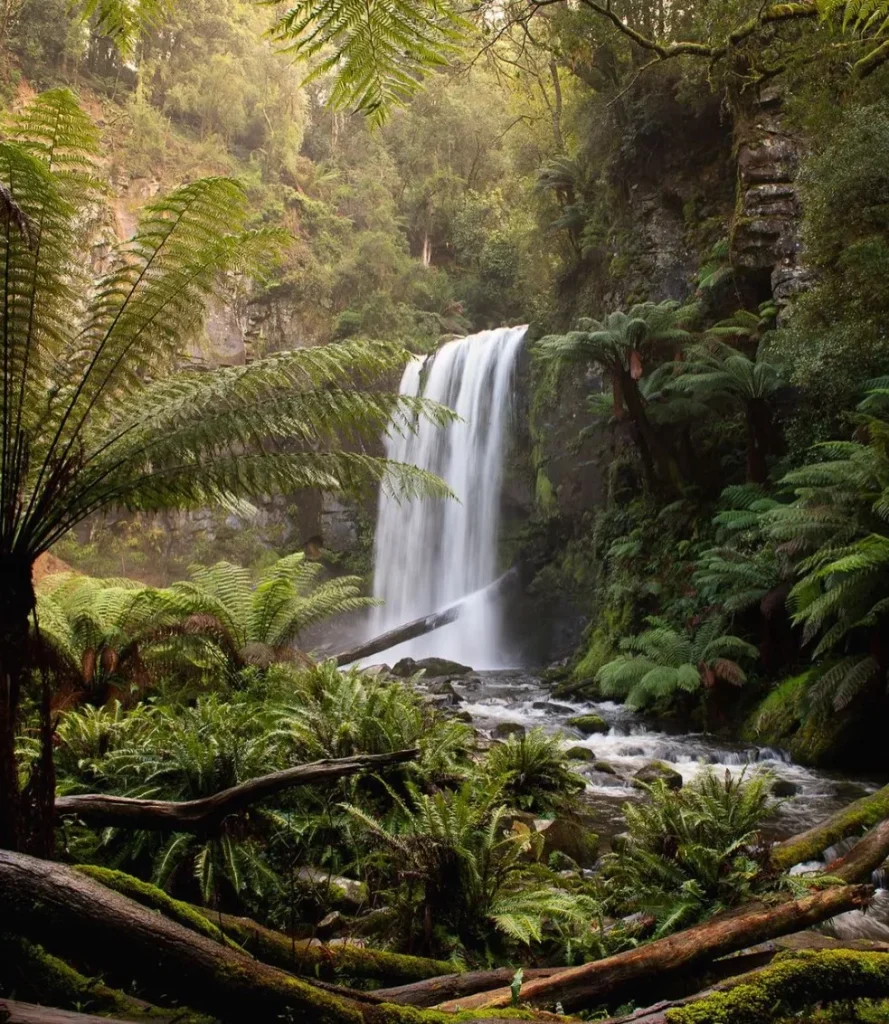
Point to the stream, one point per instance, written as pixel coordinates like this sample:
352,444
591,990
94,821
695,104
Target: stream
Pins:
514,696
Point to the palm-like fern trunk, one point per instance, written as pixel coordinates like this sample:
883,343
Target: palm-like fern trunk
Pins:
758,441
16,604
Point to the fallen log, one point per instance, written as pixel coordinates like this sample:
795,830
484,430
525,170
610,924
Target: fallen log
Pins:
419,627
433,991
315,960
14,1012
609,979
864,857
205,815
809,845
72,914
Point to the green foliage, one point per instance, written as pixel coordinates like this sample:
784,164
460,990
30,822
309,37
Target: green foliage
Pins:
532,771
661,662
124,21
451,867
693,852
334,713
380,51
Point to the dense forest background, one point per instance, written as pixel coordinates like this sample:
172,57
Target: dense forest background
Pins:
689,207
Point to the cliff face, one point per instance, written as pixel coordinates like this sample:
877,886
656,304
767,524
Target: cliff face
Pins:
700,176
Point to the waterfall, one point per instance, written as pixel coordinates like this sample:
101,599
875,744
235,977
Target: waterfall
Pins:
429,553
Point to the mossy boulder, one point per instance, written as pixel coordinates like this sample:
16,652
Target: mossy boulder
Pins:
431,666
657,771
588,724
569,837
605,767
580,754
503,730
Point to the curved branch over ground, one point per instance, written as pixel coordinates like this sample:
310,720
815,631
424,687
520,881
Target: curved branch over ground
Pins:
205,815
613,977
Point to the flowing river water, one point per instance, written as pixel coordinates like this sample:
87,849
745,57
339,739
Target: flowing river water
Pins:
431,553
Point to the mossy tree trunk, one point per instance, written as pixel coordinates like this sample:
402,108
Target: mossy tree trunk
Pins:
74,915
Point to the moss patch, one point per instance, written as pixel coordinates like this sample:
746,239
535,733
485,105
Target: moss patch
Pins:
794,981
151,896
33,974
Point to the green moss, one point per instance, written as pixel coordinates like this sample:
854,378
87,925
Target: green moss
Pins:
32,973
391,1014
543,493
589,724
793,982
782,720
327,962
858,816
156,899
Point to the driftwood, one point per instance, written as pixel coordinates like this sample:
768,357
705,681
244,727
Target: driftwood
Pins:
13,1012
855,817
613,977
206,814
419,627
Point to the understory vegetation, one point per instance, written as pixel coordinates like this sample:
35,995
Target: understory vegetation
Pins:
227,226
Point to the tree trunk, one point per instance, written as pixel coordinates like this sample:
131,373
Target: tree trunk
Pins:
12,1012
434,991
207,814
17,602
419,627
76,916
864,857
616,976
757,441
655,455
315,960
808,845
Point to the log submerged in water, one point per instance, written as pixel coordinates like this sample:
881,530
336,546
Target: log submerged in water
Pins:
100,810
419,627
611,978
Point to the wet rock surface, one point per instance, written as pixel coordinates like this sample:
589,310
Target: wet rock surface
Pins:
515,698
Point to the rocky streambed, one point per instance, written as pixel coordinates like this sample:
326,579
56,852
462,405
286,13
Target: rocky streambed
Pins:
612,746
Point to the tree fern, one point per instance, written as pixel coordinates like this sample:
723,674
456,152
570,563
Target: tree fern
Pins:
379,51
93,412
124,21
660,662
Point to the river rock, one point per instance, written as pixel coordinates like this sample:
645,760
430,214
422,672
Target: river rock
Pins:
784,788
605,767
552,707
443,694
503,730
431,666
619,842
580,754
570,838
655,771
589,724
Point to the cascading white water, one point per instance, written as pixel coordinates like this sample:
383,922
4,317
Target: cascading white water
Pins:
429,553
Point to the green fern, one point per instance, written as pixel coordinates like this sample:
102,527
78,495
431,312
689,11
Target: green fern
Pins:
662,662
380,51
692,853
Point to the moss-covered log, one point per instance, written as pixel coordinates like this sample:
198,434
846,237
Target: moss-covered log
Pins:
328,963
70,912
864,857
101,810
794,982
14,1012
809,845
434,991
616,976
31,972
